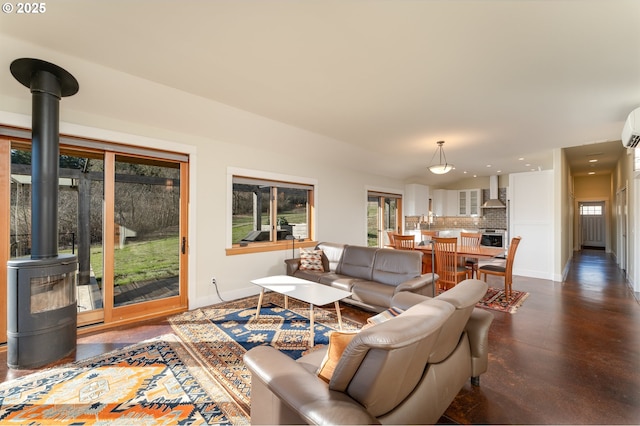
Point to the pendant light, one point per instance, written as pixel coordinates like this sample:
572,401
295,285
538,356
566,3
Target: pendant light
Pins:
442,167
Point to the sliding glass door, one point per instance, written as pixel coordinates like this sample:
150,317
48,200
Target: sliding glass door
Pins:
383,216
123,215
146,249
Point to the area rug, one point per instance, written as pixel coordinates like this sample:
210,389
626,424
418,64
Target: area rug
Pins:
496,300
221,334
153,382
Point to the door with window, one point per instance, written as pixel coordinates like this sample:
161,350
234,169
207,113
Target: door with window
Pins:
592,224
384,213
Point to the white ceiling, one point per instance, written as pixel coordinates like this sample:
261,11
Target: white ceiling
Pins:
497,80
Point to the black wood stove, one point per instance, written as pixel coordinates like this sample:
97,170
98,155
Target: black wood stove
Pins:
41,289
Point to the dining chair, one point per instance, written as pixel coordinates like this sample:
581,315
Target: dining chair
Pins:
449,271
391,235
471,239
404,242
505,271
428,233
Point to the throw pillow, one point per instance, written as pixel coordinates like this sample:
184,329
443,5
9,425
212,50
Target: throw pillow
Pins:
311,260
384,316
338,342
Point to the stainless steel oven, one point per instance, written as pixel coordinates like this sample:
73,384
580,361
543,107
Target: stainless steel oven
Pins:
493,238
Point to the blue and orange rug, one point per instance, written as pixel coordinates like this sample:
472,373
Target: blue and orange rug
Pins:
153,382
195,376
221,334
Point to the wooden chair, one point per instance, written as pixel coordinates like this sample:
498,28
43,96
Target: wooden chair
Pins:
470,239
391,235
449,271
505,271
404,242
430,235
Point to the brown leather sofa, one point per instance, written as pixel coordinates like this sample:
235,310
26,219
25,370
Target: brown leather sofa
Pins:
373,275
406,370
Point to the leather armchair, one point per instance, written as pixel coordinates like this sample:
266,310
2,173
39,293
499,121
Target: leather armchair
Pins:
406,370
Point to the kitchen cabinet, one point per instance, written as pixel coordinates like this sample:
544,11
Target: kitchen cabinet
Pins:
444,202
416,200
468,202
453,202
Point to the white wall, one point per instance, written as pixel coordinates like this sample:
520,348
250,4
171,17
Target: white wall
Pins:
118,107
531,215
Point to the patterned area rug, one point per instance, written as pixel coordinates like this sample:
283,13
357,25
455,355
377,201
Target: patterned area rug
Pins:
496,300
153,382
221,334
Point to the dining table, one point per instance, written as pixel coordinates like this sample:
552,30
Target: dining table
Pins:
478,252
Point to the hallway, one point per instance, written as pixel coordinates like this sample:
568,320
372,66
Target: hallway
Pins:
569,355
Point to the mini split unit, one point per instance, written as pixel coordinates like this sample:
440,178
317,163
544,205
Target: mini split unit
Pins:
631,130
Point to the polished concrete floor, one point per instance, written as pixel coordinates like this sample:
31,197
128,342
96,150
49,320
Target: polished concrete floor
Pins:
569,355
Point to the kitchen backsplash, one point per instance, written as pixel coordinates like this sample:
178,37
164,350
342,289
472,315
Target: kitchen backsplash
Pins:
490,219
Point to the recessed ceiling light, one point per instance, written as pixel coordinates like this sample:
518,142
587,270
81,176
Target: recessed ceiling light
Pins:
592,173
528,165
498,171
593,160
488,165
521,158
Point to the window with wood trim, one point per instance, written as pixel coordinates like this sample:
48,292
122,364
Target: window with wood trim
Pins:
265,212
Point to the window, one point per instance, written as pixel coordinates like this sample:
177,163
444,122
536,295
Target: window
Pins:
590,210
266,212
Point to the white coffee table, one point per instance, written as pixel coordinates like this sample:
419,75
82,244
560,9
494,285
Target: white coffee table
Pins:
307,291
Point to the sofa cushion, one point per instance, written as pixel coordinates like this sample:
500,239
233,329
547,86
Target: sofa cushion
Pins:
314,276
357,262
311,260
331,255
393,267
343,282
372,293
338,342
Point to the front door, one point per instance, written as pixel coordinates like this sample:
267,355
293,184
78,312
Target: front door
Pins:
592,223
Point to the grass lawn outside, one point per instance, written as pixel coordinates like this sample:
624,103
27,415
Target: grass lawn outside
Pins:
140,261
242,225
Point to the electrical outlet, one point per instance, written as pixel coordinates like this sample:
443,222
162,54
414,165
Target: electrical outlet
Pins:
213,281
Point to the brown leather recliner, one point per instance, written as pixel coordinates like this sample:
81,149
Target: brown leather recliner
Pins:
406,370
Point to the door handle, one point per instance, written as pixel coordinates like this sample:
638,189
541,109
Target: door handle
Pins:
184,245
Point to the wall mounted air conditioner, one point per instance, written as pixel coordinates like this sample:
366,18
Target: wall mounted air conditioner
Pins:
631,130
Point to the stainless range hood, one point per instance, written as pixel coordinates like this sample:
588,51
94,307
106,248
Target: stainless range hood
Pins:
493,202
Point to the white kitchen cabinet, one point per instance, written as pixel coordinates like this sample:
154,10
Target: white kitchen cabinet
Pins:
451,207
468,202
444,202
416,200
438,201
